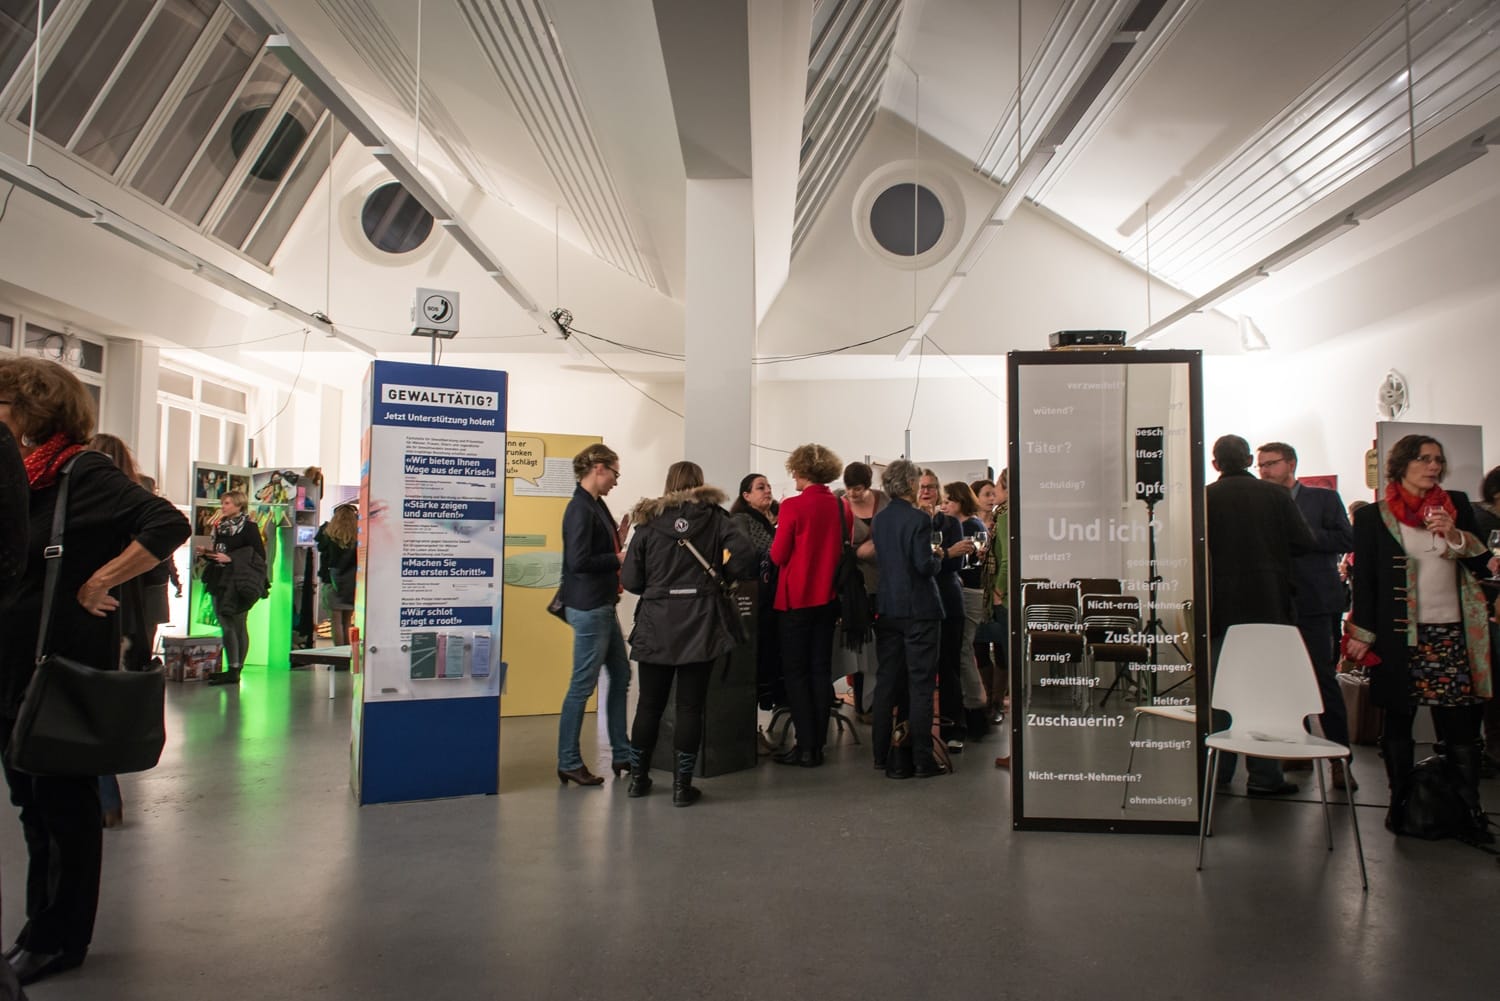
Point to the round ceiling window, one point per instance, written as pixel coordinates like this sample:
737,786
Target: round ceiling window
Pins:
909,214
906,219
394,221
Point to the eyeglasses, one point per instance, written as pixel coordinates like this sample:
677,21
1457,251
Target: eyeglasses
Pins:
1268,465
1431,460
615,470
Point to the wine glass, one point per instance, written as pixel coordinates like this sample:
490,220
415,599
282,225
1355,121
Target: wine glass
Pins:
981,539
1429,513
937,540
1495,542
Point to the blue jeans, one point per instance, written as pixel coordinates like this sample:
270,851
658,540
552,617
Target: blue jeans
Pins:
597,641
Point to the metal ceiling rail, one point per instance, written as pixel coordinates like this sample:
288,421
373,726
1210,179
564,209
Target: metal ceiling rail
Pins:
1339,127
1451,158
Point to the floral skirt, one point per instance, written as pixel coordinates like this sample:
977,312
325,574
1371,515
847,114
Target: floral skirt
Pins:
1440,674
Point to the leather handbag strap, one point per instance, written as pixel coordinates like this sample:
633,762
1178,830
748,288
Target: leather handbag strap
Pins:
53,558
713,574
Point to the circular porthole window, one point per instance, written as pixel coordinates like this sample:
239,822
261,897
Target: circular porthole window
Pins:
282,148
909,215
393,221
906,219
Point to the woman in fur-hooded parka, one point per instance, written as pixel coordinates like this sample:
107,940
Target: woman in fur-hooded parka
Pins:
679,629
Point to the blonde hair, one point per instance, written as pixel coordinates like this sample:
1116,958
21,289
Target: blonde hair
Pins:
239,498
343,527
684,475
815,463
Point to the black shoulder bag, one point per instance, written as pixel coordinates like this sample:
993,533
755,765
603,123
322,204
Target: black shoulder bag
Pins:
82,719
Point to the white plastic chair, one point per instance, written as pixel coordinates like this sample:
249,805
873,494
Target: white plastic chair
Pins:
1265,680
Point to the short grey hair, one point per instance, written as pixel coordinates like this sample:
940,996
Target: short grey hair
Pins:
899,479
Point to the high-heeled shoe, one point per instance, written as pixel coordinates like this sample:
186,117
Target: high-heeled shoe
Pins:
580,775
621,767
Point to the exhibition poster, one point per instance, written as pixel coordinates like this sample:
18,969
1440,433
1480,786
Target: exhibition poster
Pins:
539,483
432,533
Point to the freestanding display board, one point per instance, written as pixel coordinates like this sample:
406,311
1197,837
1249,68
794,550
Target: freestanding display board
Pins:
428,596
1108,590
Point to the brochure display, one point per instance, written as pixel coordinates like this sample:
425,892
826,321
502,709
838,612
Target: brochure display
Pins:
1109,686
539,648
428,596
275,496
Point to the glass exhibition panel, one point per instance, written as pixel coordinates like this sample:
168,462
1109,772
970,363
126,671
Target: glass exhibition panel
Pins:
1107,588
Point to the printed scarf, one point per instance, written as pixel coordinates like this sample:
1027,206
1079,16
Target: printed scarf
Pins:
44,463
1408,507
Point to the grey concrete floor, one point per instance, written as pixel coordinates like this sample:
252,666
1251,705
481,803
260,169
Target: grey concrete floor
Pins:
246,871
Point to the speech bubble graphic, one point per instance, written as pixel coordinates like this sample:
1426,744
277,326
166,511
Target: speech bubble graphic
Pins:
525,457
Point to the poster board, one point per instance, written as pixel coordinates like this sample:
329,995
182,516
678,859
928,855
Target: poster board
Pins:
539,482
1107,486
428,597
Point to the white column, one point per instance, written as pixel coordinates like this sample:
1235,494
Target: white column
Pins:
720,337
130,381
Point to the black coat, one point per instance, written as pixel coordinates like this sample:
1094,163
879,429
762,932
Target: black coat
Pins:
908,566
1380,597
1320,591
106,512
591,564
677,621
1254,530
13,490
337,565
237,585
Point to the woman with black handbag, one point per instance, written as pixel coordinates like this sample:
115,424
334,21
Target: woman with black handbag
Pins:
114,530
675,562
338,565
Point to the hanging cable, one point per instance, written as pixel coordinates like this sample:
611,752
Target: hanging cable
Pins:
960,367
290,389
780,359
916,388
627,382
4,207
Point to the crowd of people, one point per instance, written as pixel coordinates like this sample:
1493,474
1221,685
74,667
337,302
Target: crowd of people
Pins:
931,561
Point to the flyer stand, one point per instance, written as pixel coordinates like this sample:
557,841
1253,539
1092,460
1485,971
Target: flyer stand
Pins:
426,720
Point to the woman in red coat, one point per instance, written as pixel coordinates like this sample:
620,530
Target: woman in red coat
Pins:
806,550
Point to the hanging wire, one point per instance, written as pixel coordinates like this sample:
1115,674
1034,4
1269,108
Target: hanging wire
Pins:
627,382
290,389
921,345
6,205
959,365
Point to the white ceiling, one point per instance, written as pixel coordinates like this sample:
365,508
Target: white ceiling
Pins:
1209,80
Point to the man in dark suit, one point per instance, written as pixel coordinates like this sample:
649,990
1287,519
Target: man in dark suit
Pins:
1320,593
1254,529
909,623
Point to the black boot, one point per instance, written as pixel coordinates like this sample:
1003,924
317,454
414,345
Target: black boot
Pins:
1466,761
683,793
640,772
1400,755
978,723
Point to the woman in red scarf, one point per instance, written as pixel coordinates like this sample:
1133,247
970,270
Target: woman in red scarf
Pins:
1418,608
115,530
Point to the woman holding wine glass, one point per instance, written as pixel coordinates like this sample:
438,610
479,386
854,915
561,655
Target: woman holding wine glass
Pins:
1487,514
1418,607
949,543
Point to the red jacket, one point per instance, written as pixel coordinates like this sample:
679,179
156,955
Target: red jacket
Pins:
807,547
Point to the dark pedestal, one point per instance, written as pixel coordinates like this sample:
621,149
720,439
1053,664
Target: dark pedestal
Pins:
729,713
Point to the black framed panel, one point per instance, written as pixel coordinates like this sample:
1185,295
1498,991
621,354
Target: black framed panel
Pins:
1107,529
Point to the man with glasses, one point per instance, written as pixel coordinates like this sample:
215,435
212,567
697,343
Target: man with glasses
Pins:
1254,530
1320,594
593,549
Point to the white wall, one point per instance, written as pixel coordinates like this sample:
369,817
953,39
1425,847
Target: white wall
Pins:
1322,400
